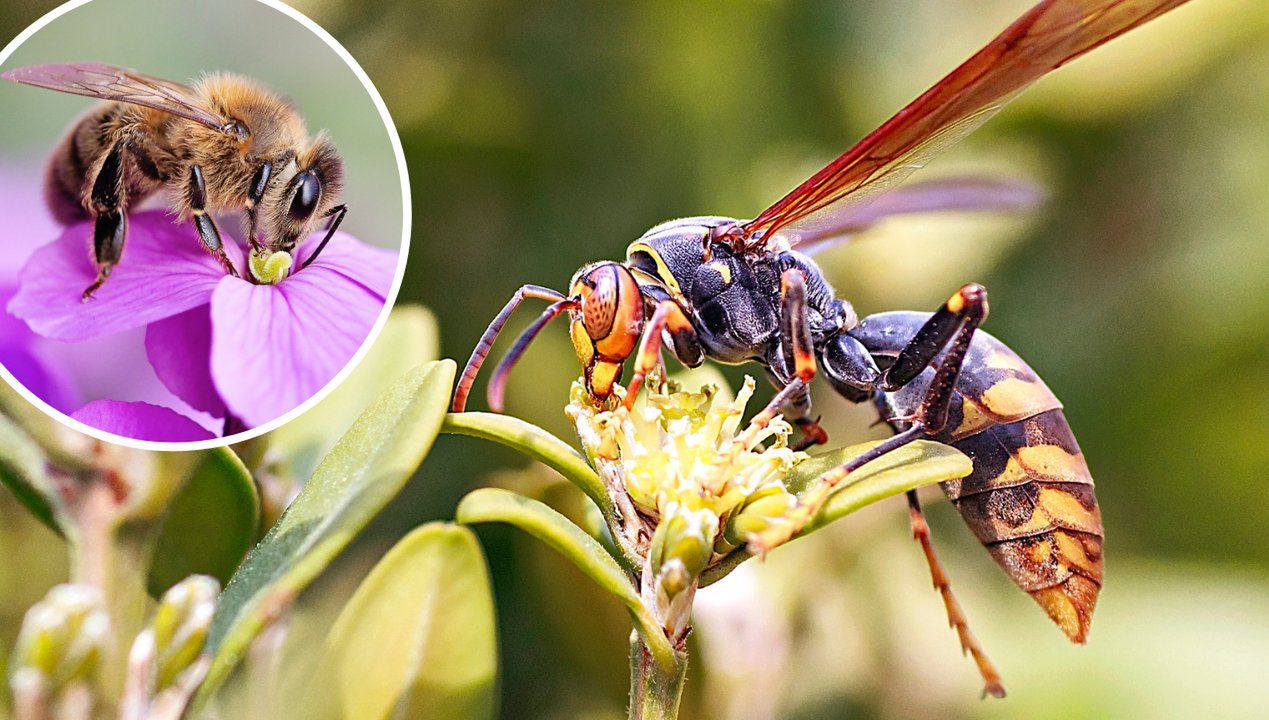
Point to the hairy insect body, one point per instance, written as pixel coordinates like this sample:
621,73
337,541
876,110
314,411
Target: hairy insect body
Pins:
224,143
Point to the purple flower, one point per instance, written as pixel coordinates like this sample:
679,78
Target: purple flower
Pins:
224,345
141,420
26,224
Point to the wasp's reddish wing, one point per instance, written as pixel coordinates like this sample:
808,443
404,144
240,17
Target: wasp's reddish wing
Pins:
107,82
1051,34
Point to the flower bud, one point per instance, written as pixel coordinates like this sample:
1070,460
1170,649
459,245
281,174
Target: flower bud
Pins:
686,536
63,637
269,267
180,626
764,521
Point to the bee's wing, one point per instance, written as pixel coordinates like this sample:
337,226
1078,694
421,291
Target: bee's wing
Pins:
950,194
1051,34
107,82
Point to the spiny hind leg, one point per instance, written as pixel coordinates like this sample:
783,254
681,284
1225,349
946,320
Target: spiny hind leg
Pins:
992,683
947,333
203,222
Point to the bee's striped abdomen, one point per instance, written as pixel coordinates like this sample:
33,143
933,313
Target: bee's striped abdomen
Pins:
1030,497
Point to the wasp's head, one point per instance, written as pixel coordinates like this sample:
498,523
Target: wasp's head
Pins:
606,320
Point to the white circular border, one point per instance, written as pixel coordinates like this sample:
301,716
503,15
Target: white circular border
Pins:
406,217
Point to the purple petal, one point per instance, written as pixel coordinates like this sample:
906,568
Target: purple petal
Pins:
275,346
21,354
179,350
27,223
141,421
372,267
165,271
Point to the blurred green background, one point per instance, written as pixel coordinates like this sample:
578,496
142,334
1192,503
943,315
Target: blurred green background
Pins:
541,135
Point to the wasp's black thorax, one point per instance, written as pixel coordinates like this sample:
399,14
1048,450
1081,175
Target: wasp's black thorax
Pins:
733,299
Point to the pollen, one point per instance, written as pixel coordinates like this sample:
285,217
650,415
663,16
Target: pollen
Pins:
687,461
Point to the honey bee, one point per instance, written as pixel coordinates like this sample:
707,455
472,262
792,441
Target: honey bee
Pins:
224,143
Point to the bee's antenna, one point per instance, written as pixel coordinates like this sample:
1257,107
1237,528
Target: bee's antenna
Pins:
499,380
336,215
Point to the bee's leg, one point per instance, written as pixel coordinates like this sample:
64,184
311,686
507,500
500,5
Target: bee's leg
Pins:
478,355
336,215
110,230
992,684
668,316
259,184
203,222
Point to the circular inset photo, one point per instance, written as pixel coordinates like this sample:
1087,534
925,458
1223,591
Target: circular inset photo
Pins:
203,217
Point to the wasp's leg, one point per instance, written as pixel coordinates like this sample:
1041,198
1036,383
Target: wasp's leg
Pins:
798,356
947,332
203,222
481,351
953,325
992,684
336,215
667,317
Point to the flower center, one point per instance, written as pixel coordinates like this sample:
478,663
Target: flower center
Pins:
269,267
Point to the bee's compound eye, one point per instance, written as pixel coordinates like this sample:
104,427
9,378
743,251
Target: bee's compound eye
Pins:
306,195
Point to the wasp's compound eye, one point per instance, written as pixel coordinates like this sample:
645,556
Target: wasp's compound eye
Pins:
306,195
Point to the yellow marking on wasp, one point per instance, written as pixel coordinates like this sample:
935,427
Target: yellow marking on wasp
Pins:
1014,399
1061,610
1054,462
603,376
723,269
973,420
1054,508
581,342
663,271
1074,554
956,303
1001,360
1066,510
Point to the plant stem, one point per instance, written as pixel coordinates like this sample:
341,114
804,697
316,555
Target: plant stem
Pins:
655,691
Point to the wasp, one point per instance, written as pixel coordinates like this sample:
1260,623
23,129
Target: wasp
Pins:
737,291
224,143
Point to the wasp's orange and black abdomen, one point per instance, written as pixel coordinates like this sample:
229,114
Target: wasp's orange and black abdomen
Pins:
1030,496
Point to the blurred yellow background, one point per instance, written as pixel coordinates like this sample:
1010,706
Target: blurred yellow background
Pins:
541,135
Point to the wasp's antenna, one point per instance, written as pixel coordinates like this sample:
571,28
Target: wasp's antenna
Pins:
478,355
499,381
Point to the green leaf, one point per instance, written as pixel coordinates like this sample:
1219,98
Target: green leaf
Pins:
552,528
537,444
24,469
408,339
418,638
210,524
921,462
366,468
